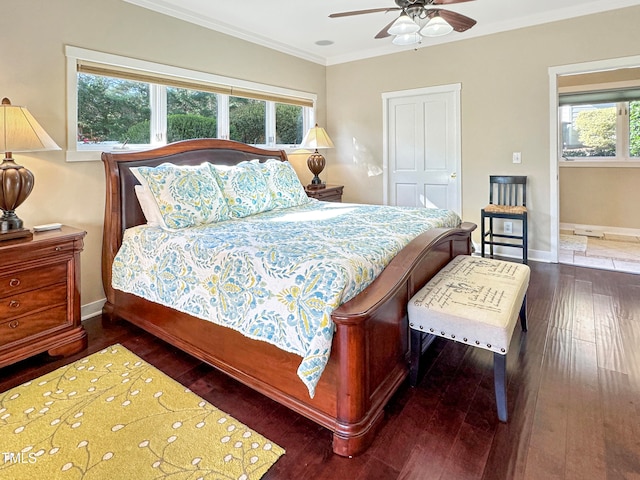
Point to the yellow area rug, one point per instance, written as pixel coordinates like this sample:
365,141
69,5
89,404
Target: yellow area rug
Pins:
113,416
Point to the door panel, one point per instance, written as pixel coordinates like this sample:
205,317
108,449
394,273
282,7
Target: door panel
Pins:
423,153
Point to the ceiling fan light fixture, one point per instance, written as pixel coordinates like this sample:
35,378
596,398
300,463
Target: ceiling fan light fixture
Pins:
407,39
436,27
403,25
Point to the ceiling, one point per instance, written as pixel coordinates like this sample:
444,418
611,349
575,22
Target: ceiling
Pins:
295,26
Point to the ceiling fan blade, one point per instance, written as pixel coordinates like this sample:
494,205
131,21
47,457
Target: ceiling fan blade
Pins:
459,22
384,33
362,12
447,2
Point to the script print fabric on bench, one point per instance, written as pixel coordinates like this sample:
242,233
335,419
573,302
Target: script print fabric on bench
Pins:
478,289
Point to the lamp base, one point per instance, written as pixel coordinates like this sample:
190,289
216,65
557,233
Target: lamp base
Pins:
315,186
22,233
316,163
11,227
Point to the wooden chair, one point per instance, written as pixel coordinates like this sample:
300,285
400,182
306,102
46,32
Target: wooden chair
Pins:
507,201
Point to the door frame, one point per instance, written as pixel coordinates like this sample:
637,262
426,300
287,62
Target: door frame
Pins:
386,97
554,133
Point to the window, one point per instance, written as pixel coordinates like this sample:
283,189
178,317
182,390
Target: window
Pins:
600,126
247,120
191,114
117,103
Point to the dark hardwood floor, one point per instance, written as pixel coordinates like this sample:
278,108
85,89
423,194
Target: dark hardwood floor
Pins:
574,395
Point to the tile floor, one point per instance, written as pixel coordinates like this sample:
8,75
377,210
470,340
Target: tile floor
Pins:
613,252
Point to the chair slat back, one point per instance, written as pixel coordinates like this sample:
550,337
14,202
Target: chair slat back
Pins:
508,190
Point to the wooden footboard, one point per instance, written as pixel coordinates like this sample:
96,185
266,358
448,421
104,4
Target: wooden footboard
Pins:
370,350
372,335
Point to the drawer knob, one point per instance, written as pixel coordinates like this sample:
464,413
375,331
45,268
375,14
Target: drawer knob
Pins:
14,282
14,324
14,304
57,249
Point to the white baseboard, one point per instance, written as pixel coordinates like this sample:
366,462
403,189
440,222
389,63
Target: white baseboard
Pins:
630,232
515,253
92,309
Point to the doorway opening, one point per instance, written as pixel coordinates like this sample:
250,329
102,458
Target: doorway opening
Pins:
588,194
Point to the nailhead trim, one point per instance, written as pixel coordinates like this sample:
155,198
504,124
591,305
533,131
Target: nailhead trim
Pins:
465,339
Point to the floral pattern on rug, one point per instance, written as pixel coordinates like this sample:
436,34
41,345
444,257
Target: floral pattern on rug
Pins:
113,416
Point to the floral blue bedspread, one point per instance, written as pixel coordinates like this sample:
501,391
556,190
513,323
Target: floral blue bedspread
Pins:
275,276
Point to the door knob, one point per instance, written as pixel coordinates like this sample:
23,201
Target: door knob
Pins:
454,175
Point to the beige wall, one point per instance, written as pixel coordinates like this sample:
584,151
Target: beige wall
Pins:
32,73
601,197
504,102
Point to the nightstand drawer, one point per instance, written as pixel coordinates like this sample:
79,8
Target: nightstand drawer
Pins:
330,193
24,303
33,278
32,325
40,295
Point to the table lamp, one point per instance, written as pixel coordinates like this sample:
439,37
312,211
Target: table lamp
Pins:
19,132
316,138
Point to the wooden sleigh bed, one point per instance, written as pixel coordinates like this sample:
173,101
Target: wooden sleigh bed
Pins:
370,349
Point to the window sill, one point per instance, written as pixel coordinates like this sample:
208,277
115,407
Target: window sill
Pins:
96,155
599,164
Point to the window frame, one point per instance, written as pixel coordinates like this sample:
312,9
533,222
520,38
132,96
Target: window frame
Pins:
159,102
623,126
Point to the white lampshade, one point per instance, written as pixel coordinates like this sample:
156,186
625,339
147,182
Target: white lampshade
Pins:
316,137
407,39
403,25
20,132
436,27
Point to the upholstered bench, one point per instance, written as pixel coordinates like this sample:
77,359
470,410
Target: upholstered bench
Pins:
476,301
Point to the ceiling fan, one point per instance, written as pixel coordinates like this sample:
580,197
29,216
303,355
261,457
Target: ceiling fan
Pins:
418,18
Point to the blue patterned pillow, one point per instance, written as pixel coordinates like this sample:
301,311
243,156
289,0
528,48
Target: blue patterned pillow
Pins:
186,195
283,184
244,187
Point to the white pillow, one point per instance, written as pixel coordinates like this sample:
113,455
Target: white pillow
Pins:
186,196
148,206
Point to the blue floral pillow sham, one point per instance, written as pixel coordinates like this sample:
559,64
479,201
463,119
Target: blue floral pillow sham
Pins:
283,184
244,187
186,196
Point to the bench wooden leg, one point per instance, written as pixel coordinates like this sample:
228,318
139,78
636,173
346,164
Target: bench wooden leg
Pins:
499,380
523,314
416,351
420,341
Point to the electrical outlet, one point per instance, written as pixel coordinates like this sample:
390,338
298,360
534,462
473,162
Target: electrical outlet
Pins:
517,157
508,227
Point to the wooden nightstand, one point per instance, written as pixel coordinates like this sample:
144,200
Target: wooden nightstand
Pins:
40,295
330,193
